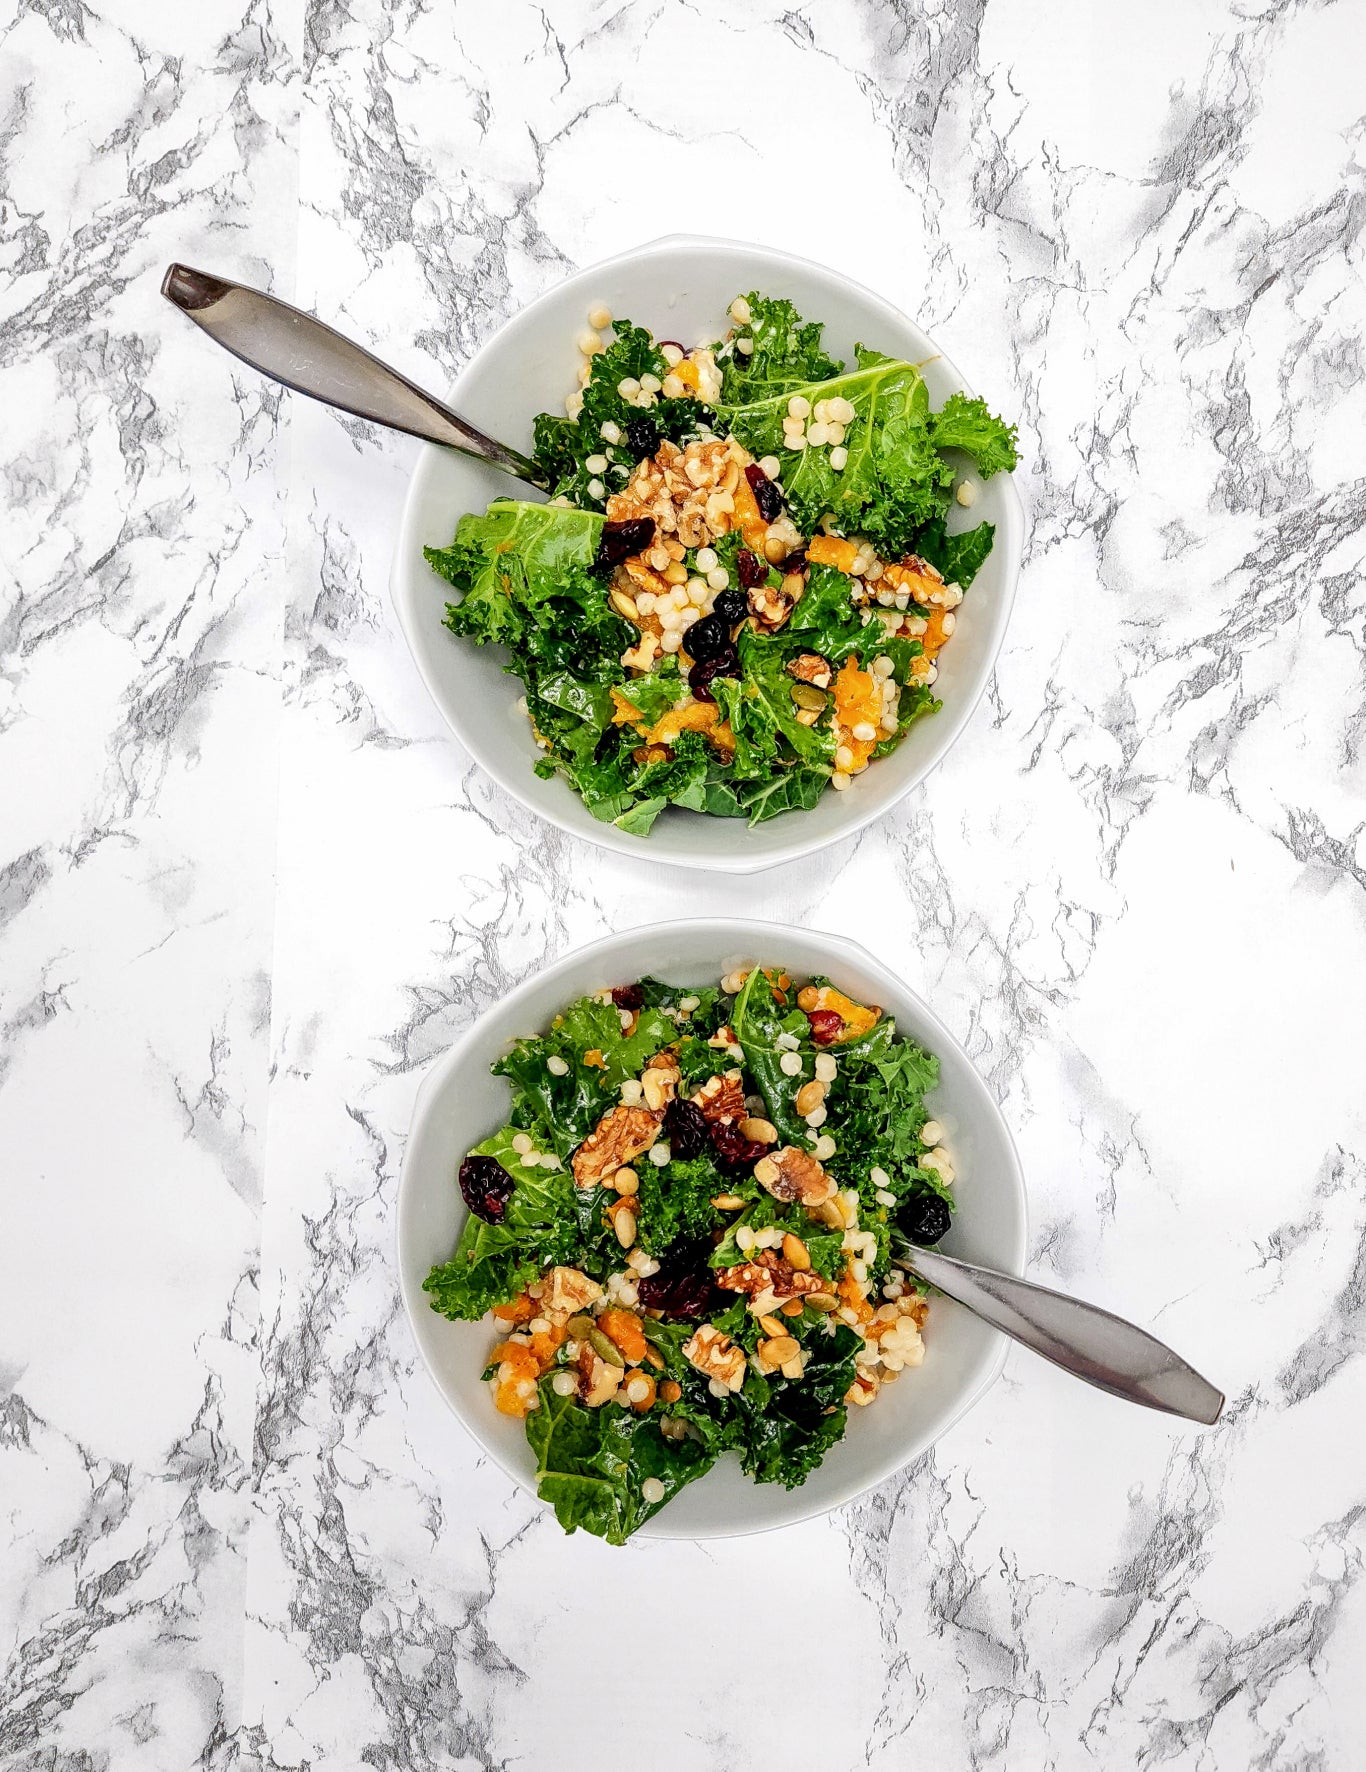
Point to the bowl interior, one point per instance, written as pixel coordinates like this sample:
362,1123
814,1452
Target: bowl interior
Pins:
460,1103
679,288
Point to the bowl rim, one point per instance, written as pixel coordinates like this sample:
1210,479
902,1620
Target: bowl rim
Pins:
404,568
746,933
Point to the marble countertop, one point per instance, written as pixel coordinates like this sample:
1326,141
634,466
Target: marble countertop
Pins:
249,887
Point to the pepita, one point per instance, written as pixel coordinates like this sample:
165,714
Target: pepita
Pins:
606,1348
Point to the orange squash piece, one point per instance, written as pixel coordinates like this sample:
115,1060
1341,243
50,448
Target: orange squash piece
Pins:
517,1310
831,550
858,698
518,1370
746,518
934,636
624,1330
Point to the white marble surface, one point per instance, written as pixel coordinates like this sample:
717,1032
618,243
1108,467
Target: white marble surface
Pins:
248,887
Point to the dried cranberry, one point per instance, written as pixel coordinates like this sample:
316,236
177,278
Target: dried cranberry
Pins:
794,561
826,1026
766,494
730,607
685,1285
925,1219
733,1149
685,1126
750,569
708,638
620,540
642,437
629,996
486,1188
725,664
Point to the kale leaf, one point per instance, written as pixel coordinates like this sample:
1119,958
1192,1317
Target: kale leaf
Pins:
964,423
786,353
493,1262
786,1427
758,1019
958,558
894,480
563,445
591,1464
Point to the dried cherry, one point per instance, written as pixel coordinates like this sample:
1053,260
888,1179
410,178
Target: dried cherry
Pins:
486,1187
708,638
733,1150
766,494
685,1126
722,664
629,996
925,1219
750,569
826,1026
685,1285
620,540
730,607
642,437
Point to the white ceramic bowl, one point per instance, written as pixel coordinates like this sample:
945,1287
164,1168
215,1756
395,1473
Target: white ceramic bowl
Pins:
679,288
459,1103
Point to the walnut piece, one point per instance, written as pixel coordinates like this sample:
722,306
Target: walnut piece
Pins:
810,667
621,1134
771,608
716,1356
659,1080
722,1099
566,1289
598,1378
770,1272
790,1174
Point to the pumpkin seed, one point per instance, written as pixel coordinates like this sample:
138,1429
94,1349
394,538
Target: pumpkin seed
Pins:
806,695
606,1348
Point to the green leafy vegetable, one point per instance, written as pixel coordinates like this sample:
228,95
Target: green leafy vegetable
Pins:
787,1426
592,1464
965,424
563,446
894,480
493,1262
786,353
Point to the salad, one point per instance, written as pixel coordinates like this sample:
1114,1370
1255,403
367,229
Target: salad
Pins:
736,596
682,1235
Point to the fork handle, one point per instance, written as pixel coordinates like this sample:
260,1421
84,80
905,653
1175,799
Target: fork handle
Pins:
1083,1339
301,353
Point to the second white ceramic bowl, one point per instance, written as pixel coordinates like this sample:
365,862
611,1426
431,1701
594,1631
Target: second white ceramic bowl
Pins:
680,288
459,1103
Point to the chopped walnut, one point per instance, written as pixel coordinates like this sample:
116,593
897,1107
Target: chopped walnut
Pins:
924,582
810,667
771,607
621,1134
865,1386
769,1272
690,493
722,1098
790,1174
566,1289
599,1379
659,1080
716,1356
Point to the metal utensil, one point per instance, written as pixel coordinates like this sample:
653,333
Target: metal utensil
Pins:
293,348
1090,1343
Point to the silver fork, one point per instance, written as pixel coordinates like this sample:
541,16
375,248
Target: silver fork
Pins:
293,348
1083,1339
